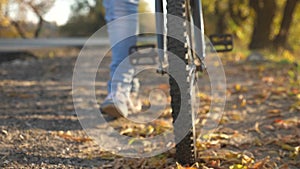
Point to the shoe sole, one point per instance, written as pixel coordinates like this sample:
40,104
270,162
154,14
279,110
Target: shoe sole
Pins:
111,110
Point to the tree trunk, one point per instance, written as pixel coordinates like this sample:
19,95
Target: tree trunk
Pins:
281,39
221,19
265,12
19,29
39,27
41,19
235,12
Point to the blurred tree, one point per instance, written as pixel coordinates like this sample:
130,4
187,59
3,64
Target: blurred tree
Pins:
258,24
20,19
294,32
3,13
238,11
265,13
281,38
228,16
220,12
265,25
39,8
88,16
230,13
6,29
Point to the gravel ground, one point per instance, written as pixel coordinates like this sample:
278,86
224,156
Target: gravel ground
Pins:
39,128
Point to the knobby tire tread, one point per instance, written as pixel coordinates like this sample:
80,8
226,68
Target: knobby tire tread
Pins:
177,46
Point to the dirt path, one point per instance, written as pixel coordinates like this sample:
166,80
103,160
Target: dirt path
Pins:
39,128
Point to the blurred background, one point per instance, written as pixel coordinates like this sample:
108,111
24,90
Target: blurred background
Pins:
40,41
265,25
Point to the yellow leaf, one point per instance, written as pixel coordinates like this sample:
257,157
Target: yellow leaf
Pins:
247,160
126,131
147,130
288,56
150,130
238,166
131,141
287,147
162,123
238,87
5,22
244,103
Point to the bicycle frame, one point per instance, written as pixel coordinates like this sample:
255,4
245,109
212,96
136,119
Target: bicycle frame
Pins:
198,24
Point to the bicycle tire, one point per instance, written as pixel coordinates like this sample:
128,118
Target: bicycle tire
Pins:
185,150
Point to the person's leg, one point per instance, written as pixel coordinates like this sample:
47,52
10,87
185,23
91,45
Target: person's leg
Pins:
121,39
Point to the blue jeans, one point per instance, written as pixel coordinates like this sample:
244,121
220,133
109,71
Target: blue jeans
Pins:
121,39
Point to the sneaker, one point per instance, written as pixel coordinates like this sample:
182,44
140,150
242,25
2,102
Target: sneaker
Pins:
134,103
115,105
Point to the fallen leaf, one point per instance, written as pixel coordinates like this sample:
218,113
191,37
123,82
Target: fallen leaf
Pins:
126,131
219,136
146,103
284,166
257,142
165,87
268,79
21,95
238,87
295,106
146,131
274,111
4,132
285,146
246,160
278,121
162,123
287,123
68,136
244,103
256,127
215,163
260,164
237,166
181,167
279,90
204,97
234,106
269,127
131,141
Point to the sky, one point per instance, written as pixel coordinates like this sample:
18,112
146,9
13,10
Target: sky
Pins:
60,11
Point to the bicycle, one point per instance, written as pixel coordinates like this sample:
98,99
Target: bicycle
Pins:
184,38
186,30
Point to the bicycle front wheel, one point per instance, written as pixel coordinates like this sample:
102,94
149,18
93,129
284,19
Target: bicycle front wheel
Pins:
180,88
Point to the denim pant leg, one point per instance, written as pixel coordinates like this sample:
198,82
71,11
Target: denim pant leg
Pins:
121,39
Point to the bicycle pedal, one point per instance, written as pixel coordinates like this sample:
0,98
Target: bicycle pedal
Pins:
143,55
222,42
